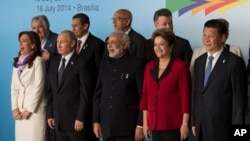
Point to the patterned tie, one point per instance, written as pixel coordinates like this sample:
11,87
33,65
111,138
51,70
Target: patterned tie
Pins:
79,42
61,70
208,69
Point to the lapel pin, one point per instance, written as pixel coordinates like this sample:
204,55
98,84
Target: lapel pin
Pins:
223,61
72,63
50,45
84,47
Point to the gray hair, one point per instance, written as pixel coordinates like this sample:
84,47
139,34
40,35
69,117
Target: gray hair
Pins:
125,37
42,18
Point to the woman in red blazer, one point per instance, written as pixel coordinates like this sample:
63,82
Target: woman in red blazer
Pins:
166,92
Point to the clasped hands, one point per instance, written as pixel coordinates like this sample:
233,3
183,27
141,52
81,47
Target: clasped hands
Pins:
17,115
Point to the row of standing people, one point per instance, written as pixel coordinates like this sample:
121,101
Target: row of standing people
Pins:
113,98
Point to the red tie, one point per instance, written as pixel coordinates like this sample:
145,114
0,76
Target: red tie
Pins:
78,46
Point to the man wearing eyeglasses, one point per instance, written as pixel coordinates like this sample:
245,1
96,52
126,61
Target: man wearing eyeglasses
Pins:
122,20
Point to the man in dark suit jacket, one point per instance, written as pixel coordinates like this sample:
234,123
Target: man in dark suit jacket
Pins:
182,48
68,97
221,101
91,52
122,21
40,24
116,114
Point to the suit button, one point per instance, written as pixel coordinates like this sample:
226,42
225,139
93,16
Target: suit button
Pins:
112,88
114,70
110,106
110,97
113,79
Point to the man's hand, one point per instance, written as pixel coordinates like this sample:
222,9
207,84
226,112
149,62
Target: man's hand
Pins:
193,130
97,129
45,54
51,123
139,134
79,125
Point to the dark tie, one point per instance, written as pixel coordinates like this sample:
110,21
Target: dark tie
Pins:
78,46
208,69
61,70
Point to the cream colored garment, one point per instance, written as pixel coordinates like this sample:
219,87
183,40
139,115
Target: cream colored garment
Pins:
27,92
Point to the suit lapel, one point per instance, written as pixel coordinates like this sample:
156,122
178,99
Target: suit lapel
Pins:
218,67
86,44
25,71
70,65
54,72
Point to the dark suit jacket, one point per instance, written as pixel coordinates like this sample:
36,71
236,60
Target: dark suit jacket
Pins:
137,45
92,51
50,44
222,102
181,50
117,96
68,102
92,54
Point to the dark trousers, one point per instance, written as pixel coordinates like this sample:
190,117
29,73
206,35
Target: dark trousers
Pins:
123,138
168,135
70,136
50,134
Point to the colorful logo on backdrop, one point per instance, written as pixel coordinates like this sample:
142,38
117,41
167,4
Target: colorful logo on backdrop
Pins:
208,6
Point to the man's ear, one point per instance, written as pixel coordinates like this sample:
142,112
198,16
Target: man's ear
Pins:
86,26
126,45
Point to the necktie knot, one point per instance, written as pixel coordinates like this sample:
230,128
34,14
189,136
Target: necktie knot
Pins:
208,69
210,58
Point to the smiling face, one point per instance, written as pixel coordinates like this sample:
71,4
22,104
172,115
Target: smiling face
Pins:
25,45
116,47
40,28
161,47
211,39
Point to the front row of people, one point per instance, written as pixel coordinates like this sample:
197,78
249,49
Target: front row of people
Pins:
128,105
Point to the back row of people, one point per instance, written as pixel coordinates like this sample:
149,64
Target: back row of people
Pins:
81,106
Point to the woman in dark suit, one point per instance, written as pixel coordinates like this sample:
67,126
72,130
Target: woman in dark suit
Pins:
166,92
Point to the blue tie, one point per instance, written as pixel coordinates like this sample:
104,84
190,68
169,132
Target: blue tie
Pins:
208,69
61,70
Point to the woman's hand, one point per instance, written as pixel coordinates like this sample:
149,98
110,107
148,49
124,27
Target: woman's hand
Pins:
16,114
184,131
26,114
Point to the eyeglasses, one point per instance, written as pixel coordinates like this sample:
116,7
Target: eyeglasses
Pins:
118,18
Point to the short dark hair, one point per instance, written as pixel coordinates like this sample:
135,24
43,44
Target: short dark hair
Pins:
84,19
218,24
167,35
162,12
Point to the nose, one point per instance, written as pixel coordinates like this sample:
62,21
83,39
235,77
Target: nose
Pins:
35,30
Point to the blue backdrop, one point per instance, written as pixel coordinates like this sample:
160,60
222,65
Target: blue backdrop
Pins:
189,17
